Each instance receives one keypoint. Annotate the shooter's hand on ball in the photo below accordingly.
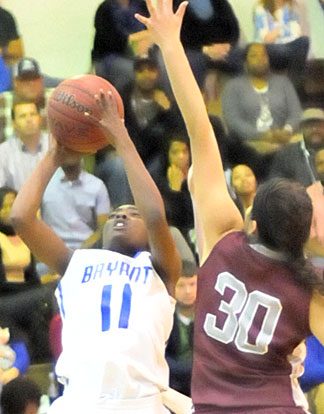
(62, 155)
(111, 122)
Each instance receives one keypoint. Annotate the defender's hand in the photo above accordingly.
(163, 24)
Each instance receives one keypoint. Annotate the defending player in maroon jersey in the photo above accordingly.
(256, 301)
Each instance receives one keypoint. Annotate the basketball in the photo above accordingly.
(67, 105)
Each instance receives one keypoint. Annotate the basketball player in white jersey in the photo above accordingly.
(116, 310)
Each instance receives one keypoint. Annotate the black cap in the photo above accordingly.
(144, 61)
(27, 68)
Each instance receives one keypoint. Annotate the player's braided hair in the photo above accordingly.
(283, 212)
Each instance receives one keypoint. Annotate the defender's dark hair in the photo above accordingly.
(17, 394)
(283, 211)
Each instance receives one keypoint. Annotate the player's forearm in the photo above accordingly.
(30, 195)
(145, 192)
(177, 402)
(190, 101)
(186, 91)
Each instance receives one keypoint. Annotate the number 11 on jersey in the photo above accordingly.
(106, 307)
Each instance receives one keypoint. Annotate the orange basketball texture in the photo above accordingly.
(67, 105)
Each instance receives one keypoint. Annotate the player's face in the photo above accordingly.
(27, 120)
(257, 60)
(243, 180)
(186, 291)
(125, 228)
(7, 203)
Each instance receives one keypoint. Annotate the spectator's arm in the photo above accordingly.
(22, 357)
(13, 52)
(293, 104)
(8, 375)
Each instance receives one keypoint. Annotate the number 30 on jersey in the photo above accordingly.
(241, 310)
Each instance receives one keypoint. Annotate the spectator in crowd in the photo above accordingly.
(19, 361)
(5, 76)
(146, 106)
(22, 298)
(179, 351)
(319, 165)
(11, 45)
(171, 180)
(206, 23)
(28, 85)
(86, 206)
(296, 160)
(112, 53)
(261, 108)
(322, 3)
(277, 23)
(311, 90)
(20, 154)
(313, 364)
(16, 263)
(20, 396)
(111, 170)
(244, 184)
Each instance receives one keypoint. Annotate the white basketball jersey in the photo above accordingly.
(117, 316)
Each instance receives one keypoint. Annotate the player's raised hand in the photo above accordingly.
(163, 24)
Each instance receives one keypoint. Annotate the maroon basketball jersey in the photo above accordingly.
(250, 316)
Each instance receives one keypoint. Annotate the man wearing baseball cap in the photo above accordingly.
(28, 85)
(28, 81)
(296, 160)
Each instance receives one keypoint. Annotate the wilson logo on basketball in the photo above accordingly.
(69, 100)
